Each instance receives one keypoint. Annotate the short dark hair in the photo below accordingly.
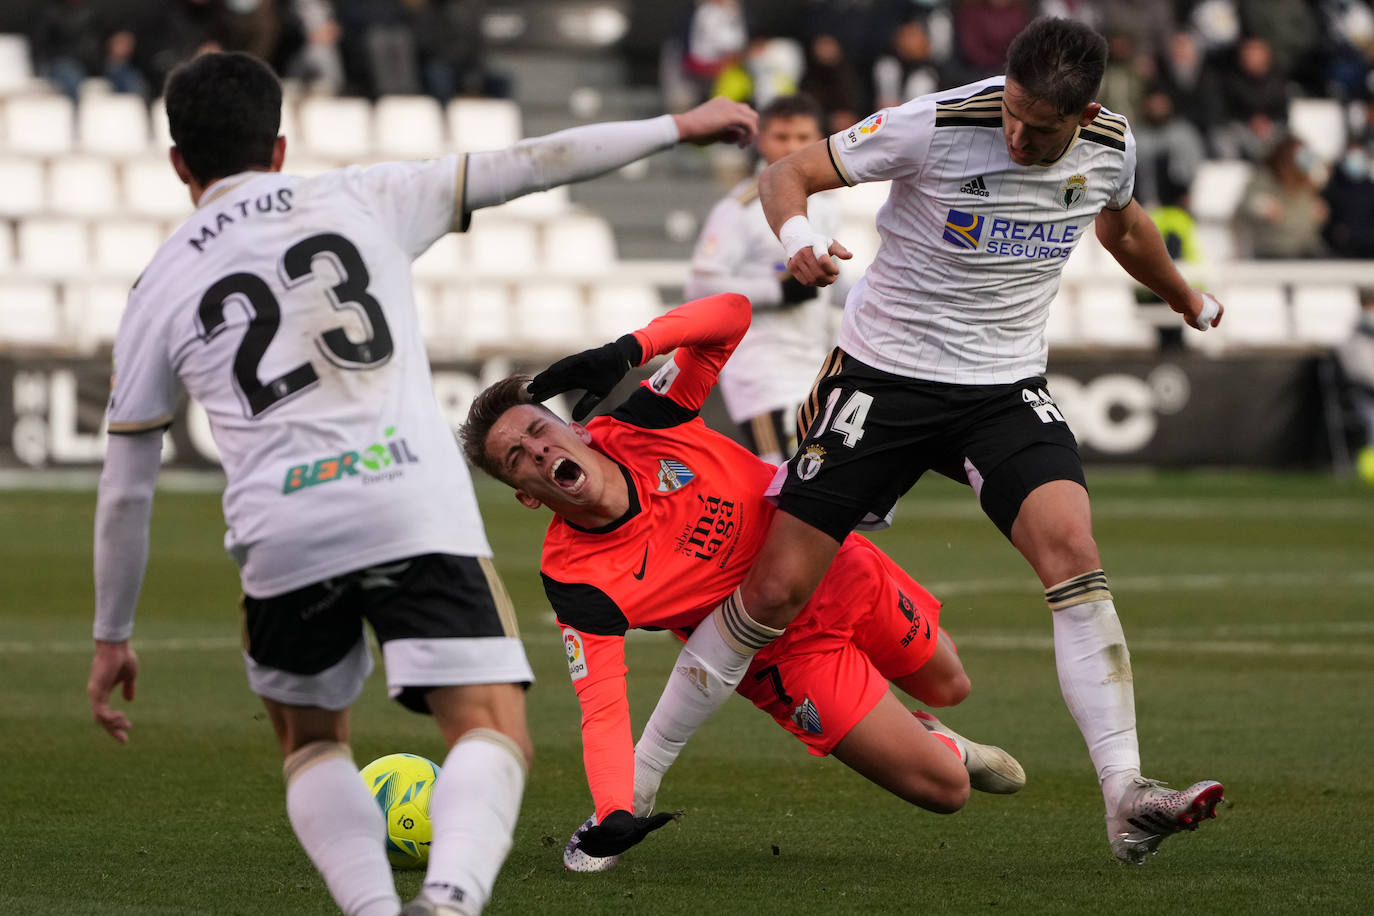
(224, 110)
(1059, 62)
(800, 105)
(486, 409)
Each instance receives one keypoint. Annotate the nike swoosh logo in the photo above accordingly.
(643, 564)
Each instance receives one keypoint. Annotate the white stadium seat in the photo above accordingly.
(83, 186)
(29, 313)
(480, 319)
(578, 245)
(6, 247)
(409, 127)
(24, 183)
(483, 124)
(149, 187)
(549, 317)
(616, 307)
(336, 128)
(1325, 314)
(1320, 125)
(537, 206)
(94, 309)
(1109, 316)
(1218, 188)
(862, 200)
(1062, 328)
(443, 261)
(860, 236)
(16, 70)
(502, 248)
(53, 248)
(1256, 315)
(114, 124)
(43, 125)
(123, 247)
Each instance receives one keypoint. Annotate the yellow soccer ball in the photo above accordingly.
(401, 785)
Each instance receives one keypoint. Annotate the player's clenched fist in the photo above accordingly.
(718, 119)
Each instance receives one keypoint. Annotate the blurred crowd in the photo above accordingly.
(1198, 79)
(354, 47)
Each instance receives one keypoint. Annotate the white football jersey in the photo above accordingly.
(775, 364)
(972, 243)
(284, 306)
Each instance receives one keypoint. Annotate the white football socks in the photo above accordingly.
(341, 828)
(706, 672)
(473, 810)
(1095, 678)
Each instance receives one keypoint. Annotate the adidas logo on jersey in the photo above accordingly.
(977, 187)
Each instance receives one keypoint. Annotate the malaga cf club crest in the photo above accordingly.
(807, 718)
(1072, 191)
(673, 475)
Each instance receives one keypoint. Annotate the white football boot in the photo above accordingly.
(1151, 811)
(990, 769)
(575, 859)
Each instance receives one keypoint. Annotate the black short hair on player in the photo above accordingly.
(224, 110)
(800, 105)
(1058, 61)
(486, 409)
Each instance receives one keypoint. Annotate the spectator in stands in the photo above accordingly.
(1292, 31)
(830, 80)
(717, 37)
(1149, 23)
(1192, 82)
(984, 30)
(379, 49)
(319, 63)
(1349, 194)
(72, 42)
(1088, 12)
(453, 50)
(1123, 82)
(1348, 30)
(1256, 103)
(176, 32)
(1169, 151)
(1216, 24)
(1282, 213)
(1356, 357)
(909, 69)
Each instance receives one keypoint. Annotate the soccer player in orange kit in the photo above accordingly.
(656, 521)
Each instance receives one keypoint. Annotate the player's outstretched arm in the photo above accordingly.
(580, 153)
(124, 507)
(1134, 240)
(783, 189)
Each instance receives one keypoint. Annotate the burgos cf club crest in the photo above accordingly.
(1072, 191)
(963, 230)
(810, 461)
(673, 475)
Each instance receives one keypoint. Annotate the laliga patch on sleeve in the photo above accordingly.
(576, 652)
(662, 380)
(865, 129)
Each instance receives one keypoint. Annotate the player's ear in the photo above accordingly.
(179, 165)
(526, 500)
(581, 432)
(1089, 114)
(279, 153)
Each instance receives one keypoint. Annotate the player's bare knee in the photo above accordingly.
(951, 691)
(943, 796)
(774, 601)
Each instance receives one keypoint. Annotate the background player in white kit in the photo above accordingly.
(775, 364)
(284, 306)
(940, 368)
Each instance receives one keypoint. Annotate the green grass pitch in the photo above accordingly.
(1247, 601)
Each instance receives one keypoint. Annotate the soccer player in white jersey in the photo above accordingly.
(775, 364)
(940, 367)
(284, 306)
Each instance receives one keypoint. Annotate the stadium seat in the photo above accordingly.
(443, 261)
(122, 248)
(478, 318)
(42, 125)
(618, 307)
(502, 248)
(1062, 328)
(578, 245)
(6, 247)
(149, 187)
(1325, 314)
(483, 124)
(1216, 242)
(336, 128)
(549, 318)
(25, 185)
(29, 314)
(83, 186)
(114, 124)
(1257, 315)
(53, 248)
(1109, 316)
(537, 206)
(1218, 187)
(860, 236)
(862, 200)
(409, 127)
(94, 310)
(1320, 125)
(16, 70)
(1089, 260)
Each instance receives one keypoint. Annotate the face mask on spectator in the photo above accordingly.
(1305, 160)
(1355, 165)
(242, 6)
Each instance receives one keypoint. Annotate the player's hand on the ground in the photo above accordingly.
(595, 371)
(114, 663)
(811, 270)
(619, 831)
(718, 119)
(1203, 310)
